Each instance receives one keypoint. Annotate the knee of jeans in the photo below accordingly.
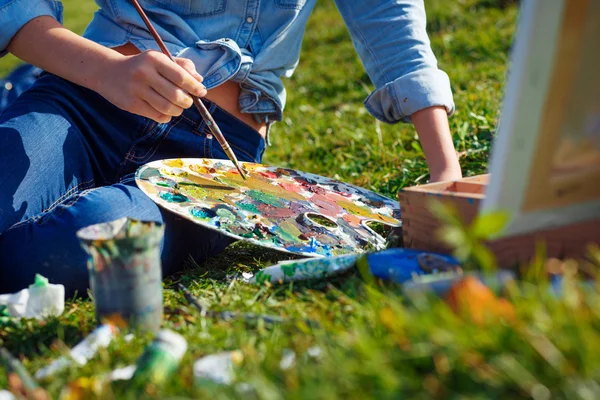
(105, 204)
(48, 245)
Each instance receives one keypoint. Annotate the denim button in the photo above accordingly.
(249, 20)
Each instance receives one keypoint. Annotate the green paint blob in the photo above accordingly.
(149, 173)
(40, 281)
(255, 234)
(226, 216)
(258, 233)
(285, 235)
(248, 207)
(289, 269)
(266, 198)
(191, 189)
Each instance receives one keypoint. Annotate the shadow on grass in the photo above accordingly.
(29, 338)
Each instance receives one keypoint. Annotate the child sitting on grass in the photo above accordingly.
(109, 102)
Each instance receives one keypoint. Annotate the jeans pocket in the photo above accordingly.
(143, 148)
(191, 8)
(291, 4)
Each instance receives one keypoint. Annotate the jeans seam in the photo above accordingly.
(130, 154)
(71, 193)
(188, 119)
(148, 130)
(208, 147)
(197, 129)
(68, 194)
(155, 146)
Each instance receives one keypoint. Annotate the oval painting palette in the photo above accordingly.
(279, 208)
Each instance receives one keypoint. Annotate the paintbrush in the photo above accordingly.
(228, 315)
(212, 125)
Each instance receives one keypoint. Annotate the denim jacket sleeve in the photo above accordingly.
(16, 13)
(391, 40)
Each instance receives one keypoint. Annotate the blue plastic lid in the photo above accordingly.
(401, 265)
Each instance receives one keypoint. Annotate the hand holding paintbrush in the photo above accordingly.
(210, 122)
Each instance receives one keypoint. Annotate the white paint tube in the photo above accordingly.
(299, 270)
(217, 368)
(82, 352)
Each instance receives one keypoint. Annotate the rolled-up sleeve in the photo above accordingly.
(391, 40)
(16, 13)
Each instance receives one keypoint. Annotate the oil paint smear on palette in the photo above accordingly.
(279, 208)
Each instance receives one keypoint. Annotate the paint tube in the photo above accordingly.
(122, 374)
(288, 359)
(299, 270)
(82, 352)
(14, 366)
(217, 368)
(20, 381)
(402, 265)
(160, 359)
(125, 271)
(40, 300)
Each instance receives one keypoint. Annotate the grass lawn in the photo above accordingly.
(374, 343)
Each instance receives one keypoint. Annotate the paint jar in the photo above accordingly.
(160, 359)
(125, 271)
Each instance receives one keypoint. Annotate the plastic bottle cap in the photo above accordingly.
(175, 343)
(40, 281)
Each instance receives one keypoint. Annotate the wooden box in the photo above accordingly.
(419, 225)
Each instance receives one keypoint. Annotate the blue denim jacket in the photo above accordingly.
(257, 42)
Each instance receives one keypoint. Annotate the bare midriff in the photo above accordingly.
(225, 95)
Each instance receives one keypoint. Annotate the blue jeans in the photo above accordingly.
(67, 160)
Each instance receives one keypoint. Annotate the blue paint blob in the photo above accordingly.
(302, 249)
(203, 213)
(313, 246)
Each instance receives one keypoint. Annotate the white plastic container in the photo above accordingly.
(40, 300)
